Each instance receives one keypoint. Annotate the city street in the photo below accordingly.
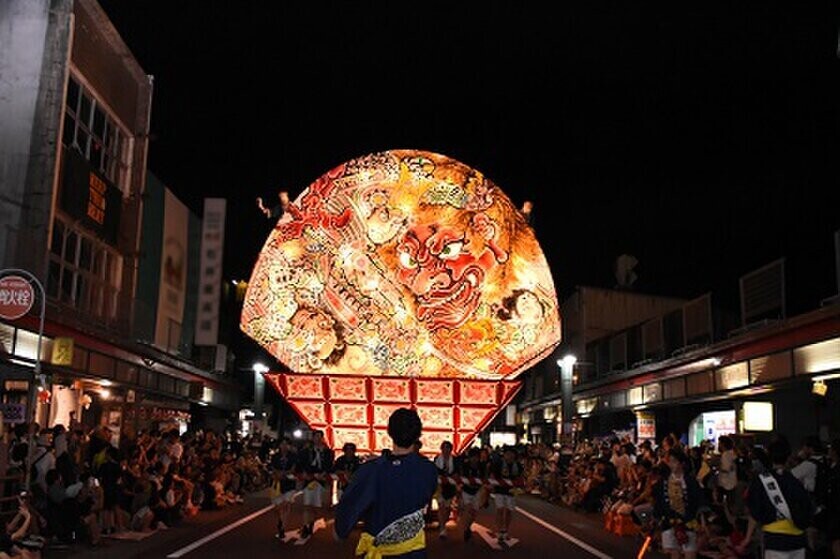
(539, 529)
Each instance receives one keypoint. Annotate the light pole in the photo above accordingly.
(567, 368)
(259, 392)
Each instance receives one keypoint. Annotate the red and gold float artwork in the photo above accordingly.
(401, 278)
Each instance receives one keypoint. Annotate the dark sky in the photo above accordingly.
(703, 138)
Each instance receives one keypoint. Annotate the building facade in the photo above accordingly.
(697, 372)
(74, 215)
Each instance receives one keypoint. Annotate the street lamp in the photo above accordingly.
(568, 360)
(567, 367)
(259, 392)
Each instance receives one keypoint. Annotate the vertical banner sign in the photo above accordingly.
(210, 274)
(645, 426)
(173, 273)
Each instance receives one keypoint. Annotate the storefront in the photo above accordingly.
(96, 383)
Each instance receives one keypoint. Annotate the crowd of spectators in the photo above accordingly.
(722, 505)
(82, 486)
(706, 500)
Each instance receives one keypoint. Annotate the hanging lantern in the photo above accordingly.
(85, 401)
(44, 396)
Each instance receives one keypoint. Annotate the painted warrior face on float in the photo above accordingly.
(403, 263)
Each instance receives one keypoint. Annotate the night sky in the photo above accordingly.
(701, 138)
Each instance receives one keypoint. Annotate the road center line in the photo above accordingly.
(561, 533)
(195, 545)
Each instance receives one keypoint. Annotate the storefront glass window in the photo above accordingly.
(771, 367)
(26, 346)
(700, 383)
(674, 388)
(652, 392)
(732, 376)
(817, 358)
(7, 338)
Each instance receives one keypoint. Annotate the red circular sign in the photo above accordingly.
(16, 297)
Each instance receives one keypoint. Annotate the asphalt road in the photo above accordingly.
(538, 530)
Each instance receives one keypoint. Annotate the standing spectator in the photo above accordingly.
(74, 424)
(622, 462)
(676, 500)
(727, 477)
(832, 499)
(109, 480)
(779, 503)
(43, 460)
(811, 471)
(176, 449)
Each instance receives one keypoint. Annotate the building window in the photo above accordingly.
(90, 129)
(84, 273)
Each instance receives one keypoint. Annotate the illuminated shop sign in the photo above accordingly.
(90, 197)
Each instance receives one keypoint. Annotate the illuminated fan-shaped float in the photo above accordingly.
(402, 278)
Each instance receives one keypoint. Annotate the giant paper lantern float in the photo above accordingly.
(402, 278)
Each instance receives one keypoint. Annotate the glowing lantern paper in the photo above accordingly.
(406, 265)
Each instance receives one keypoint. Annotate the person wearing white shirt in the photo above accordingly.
(806, 470)
(43, 459)
(176, 449)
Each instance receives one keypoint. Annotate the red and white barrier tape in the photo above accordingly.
(453, 479)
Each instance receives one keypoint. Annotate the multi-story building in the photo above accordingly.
(75, 106)
(696, 371)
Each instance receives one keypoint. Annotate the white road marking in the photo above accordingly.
(485, 535)
(583, 545)
(195, 545)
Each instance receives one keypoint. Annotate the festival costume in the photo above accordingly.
(471, 495)
(315, 462)
(676, 500)
(389, 494)
(504, 493)
(782, 506)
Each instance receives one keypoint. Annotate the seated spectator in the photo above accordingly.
(16, 540)
(142, 517)
(84, 501)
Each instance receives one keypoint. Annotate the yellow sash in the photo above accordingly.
(783, 526)
(367, 548)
